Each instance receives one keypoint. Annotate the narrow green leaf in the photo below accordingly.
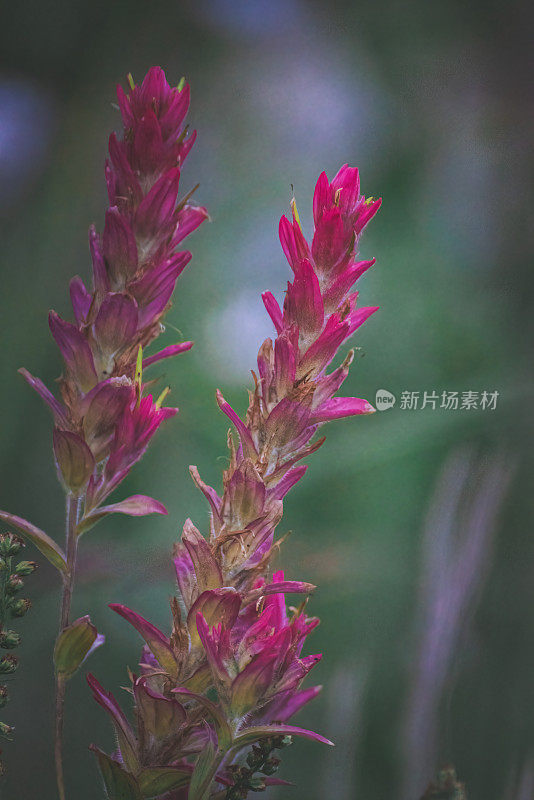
(205, 769)
(74, 644)
(138, 505)
(119, 784)
(39, 538)
(222, 728)
(254, 734)
(158, 780)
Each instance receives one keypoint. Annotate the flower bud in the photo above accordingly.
(10, 544)
(257, 784)
(4, 696)
(20, 607)
(14, 584)
(236, 793)
(6, 731)
(74, 644)
(74, 460)
(282, 741)
(8, 664)
(26, 567)
(270, 766)
(10, 639)
(255, 758)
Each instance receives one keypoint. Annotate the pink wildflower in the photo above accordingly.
(135, 268)
(232, 634)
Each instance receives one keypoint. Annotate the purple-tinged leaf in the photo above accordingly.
(291, 477)
(255, 734)
(75, 351)
(156, 208)
(155, 781)
(167, 352)
(138, 505)
(223, 730)
(203, 774)
(39, 538)
(119, 247)
(157, 642)
(80, 298)
(250, 685)
(125, 735)
(244, 433)
(339, 407)
(286, 704)
(120, 785)
(36, 383)
(116, 322)
(273, 309)
(282, 587)
(216, 606)
(74, 645)
(74, 460)
(208, 491)
(207, 570)
(161, 715)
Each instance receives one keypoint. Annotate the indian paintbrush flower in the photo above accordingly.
(135, 268)
(229, 675)
(102, 421)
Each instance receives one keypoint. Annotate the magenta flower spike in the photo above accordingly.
(235, 657)
(103, 420)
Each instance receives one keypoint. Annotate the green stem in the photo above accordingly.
(3, 598)
(72, 517)
(203, 790)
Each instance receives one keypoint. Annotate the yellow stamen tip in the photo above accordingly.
(139, 367)
(295, 212)
(163, 395)
(131, 80)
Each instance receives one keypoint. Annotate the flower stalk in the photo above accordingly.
(104, 419)
(74, 505)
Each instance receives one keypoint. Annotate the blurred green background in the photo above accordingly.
(433, 101)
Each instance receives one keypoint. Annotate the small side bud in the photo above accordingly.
(20, 607)
(4, 695)
(271, 766)
(257, 784)
(24, 568)
(282, 741)
(10, 639)
(8, 664)
(10, 544)
(74, 644)
(74, 460)
(6, 731)
(14, 584)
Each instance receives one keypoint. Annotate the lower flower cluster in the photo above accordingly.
(227, 678)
